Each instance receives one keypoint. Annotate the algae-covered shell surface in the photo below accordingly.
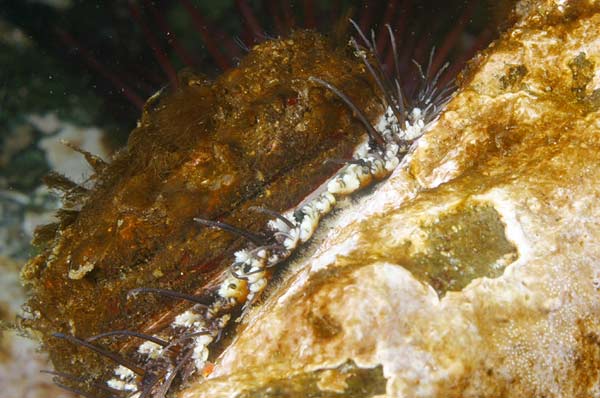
(258, 136)
(472, 271)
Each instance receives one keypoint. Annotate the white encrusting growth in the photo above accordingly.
(187, 319)
(205, 336)
(150, 350)
(124, 381)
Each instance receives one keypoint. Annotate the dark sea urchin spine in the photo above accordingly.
(183, 347)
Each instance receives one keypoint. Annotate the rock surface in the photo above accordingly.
(474, 271)
(20, 358)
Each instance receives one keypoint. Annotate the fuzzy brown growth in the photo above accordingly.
(258, 136)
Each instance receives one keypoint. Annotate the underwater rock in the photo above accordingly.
(68, 162)
(20, 358)
(472, 272)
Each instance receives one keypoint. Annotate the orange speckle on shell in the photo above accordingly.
(208, 369)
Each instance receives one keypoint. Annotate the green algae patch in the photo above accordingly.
(463, 245)
(450, 250)
(345, 381)
(583, 69)
(583, 72)
(513, 77)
